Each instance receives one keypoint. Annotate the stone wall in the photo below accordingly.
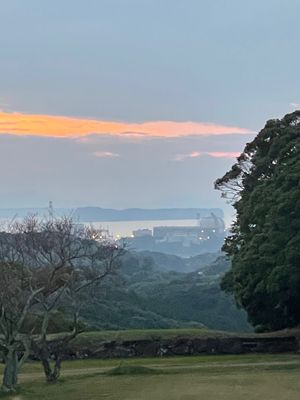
(183, 346)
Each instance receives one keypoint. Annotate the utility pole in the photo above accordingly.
(51, 210)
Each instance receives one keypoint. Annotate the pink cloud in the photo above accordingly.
(224, 154)
(106, 154)
(216, 154)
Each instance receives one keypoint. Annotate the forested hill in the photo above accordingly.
(170, 262)
(147, 294)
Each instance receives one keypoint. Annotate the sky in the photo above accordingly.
(137, 103)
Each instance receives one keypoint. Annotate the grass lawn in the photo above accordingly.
(90, 338)
(148, 334)
(245, 377)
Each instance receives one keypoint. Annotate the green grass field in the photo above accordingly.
(87, 338)
(150, 334)
(250, 377)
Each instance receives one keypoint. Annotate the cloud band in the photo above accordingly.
(69, 127)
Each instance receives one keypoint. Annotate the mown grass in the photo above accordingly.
(165, 362)
(90, 338)
(184, 361)
(148, 334)
(234, 377)
(131, 380)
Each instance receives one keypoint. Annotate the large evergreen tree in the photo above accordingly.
(264, 187)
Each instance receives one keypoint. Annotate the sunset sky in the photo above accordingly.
(137, 103)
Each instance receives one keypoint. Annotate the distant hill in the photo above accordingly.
(93, 214)
(170, 262)
(98, 214)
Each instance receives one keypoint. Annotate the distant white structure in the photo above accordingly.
(103, 235)
(207, 228)
(213, 223)
(142, 233)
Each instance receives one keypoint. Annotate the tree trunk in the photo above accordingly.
(52, 375)
(10, 375)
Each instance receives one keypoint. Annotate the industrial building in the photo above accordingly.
(207, 228)
(207, 235)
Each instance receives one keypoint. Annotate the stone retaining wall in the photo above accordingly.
(183, 346)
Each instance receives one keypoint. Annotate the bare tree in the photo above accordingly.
(57, 263)
(16, 299)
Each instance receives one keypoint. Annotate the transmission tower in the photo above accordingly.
(51, 210)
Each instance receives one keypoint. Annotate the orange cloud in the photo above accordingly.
(69, 127)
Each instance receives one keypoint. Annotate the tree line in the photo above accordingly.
(264, 244)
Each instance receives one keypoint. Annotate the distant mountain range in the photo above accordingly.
(93, 214)
(98, 214)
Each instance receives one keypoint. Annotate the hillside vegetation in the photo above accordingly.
(147, 294)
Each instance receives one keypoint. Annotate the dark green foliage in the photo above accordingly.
(148, 296)
(218, 267)
(265, 243)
